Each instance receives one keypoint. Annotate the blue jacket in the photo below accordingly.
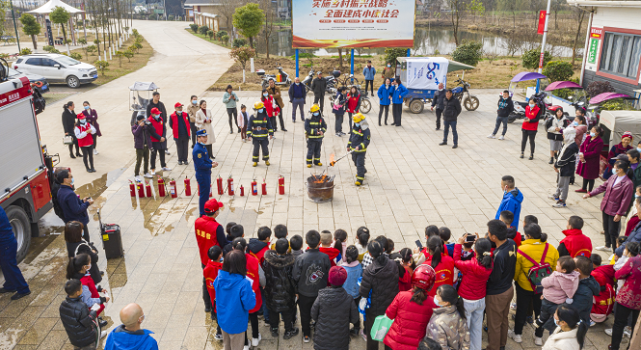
(6, 229)
(121, 339)
(73, 208)
(511, 201)
(635, 236)
(351, 283)
(234, 299)
(369, 73)
(398, 94)
(384, 95)
(202, 162)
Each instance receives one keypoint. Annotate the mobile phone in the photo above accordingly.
(419, 244)
(470, 238)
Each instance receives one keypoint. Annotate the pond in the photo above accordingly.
(426, 42)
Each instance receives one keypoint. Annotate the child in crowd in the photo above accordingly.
(442, 263)
(228, 231)
(242, 121)
(588, 288)
(362, 234)
(367, 258)
(512, 232)
(389, 249)
(445, 235)
(280, 231)
(473, 285)
(628, 299)
(280, 291)
(575, 242)
(633, 218)
(78, 319)
(296, 244)
(210, 272)
(78, 268)
(621, 260)
(406, 268)
(354, 273)
(558, 288)
(340, 243)
(236, 231)
(326, 246)
(603, 303)
(448, 325)
(333, 311)
(420, 255)
(259, 246)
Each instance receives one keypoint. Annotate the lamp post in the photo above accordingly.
(15, 27)
(545, 34)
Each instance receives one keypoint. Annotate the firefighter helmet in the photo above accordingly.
(358, 117)
(314, 108)
(424, 277)
(259, 105)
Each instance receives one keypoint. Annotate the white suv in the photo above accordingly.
(57, 68)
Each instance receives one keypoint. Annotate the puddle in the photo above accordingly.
(96, 187)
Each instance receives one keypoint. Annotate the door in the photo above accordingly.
(33, 65)
(51, 72)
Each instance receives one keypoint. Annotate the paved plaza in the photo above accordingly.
(411, 182)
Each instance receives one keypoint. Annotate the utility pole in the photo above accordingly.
(15, 27)
(545, 34)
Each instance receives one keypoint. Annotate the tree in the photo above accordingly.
(530, 58)
(268, 27)
(558, 71)
(60, 16)
(510, 6)
(83, 43)
(91, 49)
(242, 56)
(120, 55)
(129, 54)
(476, 8)
(227, 8)
(457, 7)
(249, 19)
(194, 27)
(468, 53)
(31, 27)
(102, 66)
(580, 15)
(557, 5)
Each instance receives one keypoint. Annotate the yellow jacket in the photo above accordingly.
(534, 249)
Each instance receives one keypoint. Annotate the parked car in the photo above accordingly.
(39, 82)
(57, 68)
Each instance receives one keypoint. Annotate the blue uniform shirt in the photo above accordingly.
(5, 225)
(202, 162)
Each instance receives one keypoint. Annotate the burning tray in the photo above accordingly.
(320, 188)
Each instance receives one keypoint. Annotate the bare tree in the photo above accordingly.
(580, 15)
(227, 8)
(557, 5)
(270, 17)
(457, 7)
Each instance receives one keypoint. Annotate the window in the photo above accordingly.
(19, 60)
(47, 62)
(620, 54)
(36, 61)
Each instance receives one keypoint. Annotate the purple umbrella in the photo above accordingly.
(563, 85)
(527, 76)
(606, 96)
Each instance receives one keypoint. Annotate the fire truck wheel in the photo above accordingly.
(21, 228)
(73, 82)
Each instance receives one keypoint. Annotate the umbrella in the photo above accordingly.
(143, 86)
(606, 96)
(563, 85)
(527, 76)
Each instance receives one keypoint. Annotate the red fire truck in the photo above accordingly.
(26, 175)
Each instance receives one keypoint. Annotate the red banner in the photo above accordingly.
(541, 22)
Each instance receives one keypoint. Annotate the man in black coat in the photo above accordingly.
(439, 102)
(68, 124)
(505, 107)
(318, 87)
(155, 103)
(280, 292)
(564, 166)
(78, 321)
(450, 115)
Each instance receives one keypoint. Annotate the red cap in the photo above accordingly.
(627, 134)
(337, 276)
(212, 205)
(423, 277)
(81, 116)
(155, 111)
(178, 104)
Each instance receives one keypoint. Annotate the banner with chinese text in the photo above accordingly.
(353, 23)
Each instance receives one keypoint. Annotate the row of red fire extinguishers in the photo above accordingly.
(164, 188)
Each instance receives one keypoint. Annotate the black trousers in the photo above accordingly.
(182, 147)
(397, 112)
(320, 99)
(588, 185)
(338, 125)
(194, 129)
(71, 145)
(313, 151)
(206, 298)
(380, 113)
(528, 134)
(288, 319)
(621, 316)
(261, 142)
(369, 83)
(611, 231)
(233, 114)
(439, 112)
(87, 156)
(157, 148)
(350, 120)
(359, 161)
(282, 123)
(305, 305)
(85, 233)
(95, 141)
(253, 320)
(142, 154)
(546, 318)
(523, 300)
(210, 151)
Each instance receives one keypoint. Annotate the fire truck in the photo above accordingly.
(27, 170)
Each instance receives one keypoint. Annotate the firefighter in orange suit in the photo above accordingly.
(208, 234)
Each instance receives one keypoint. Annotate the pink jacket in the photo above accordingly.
(560, 286)
(617, 199)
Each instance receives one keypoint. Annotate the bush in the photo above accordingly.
(25, 51)
(210, 34)
(240, 42)
(76, 56)
(558, 71)
(129, 54)
(203, 30)
(224, 38)
(242, 55)
(617, 104)
(171, 17)
(531, 58)
(50, 49)
(91, 49)
(392, 53)
(102, 66)
(599, 87)
(194, 27)
(152, 17)
(468, 53)
(220, 34)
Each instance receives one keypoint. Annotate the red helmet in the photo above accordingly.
(424, 277)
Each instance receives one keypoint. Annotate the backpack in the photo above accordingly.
(538, 271)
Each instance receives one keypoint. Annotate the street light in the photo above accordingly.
(15, 27)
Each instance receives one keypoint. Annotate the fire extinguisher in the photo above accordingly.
(188, 187)
(219, 183)
(254, 188)
(230, 186)
(148, 189)
(264, 187)
(281, 185)
(132, 189)
(211, 190)
(161, 187)
(172, 188)
(242, 191)
(141, 190)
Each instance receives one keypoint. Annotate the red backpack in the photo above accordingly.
(538, 271)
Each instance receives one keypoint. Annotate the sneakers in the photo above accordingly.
(559, 204)
(516, 337)
(95, 151)
(255, 341)
(246, 347)
(608, 331)
(148, 176)
(603, 248)
(538, 341)
(552, 196)
(627, 331)
(218, 337)
(491, 136)
(266, 324)
(138, 178)
(103, 334)
(338, 134)
(455, 146)
(443, 143)
(166, 169)
(513, 306)
(580, 190)
(306, 339)
(291, 334)
(501, 137)
(274, 332)
(592, 323)
(153, 172)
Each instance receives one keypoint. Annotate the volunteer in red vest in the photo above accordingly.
(602, 304)
(84, 133)
(158, 132)
(257, 277)
(179, 123)
(208, 234)
(575, 242)
(440, 261)
(210, 272)
(530, 126)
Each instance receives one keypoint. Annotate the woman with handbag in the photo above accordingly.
(554, 125)
(77, 245)
(92, 118)
(68, 124)
(84, 132)
(203, 121)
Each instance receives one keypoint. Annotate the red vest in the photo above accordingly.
(603, 304)
(444, 272)
(269, 105)
(158, 126)
(210, 273)
(261, 254)
(206, 236)
(531, 114)
(174, 124)
(577, 243)
(252, 272)
(87, 140)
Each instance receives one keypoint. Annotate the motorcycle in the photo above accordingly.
(462, 92)
(366, 105)
(282, 78)
(329, 79)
